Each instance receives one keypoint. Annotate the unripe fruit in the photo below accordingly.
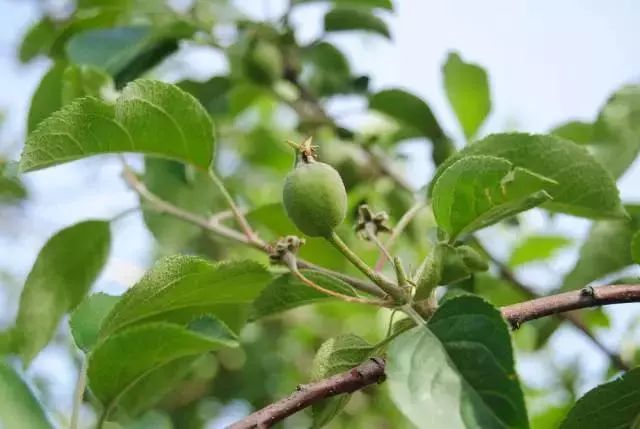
(263, 63)
(314, 198)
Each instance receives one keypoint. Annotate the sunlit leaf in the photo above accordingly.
(584, 187)
(537, 248)
(149, 117)
(179, 288)
(477, 191)
(18, 407)
(467, 88)
(61, 276)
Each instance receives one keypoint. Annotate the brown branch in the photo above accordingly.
(370, 372)
(544, 306)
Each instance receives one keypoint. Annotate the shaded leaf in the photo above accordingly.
(537, 248)
(18, 407)
(125, 52)
(154, 386)
(87, 318)
(467, 88)
(148, 347)
(334, 356)
(635, 247)
(606, 250)
(611, 405)
(179, 288)
(328, 71)
(150, 117)
(584, 187)
(478, 191)
(169, 180)
(48, 96)
(212, 94)
(409, 110)
(617, 133)
(459, 371)
(348, 19)
(81, 81)
(287, 292)
(384, 4)
(63, 272)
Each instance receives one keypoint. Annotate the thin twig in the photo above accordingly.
(215, 226)
(402, 224)
(383, 167)
(78, 394)
(385, 284)
(291, 262)
(237, 213)
(384, 252)
(370, 372)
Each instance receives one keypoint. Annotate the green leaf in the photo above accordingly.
(212, 94)
(611, 405)
(584, 187)
(409, 110)
(383, 4)
(328, 69)
(154, 386)
(635, 247)
(606, 250)
(576, 131)
(149, 117)
(18, 407)
(169, 180)
(64, 271)
(38, 39)
(147, 347)
(537, 248)
(11, 187)
(617, 131)
(181, 287)
(287, 292)
(87, 318)
(81, 81)
(125, 52)
(334, 356)
(48, 96)
(467, 88)
(478, 191)
(348, 19)
(458, 371)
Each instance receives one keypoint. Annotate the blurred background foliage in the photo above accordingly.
(270, 85)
